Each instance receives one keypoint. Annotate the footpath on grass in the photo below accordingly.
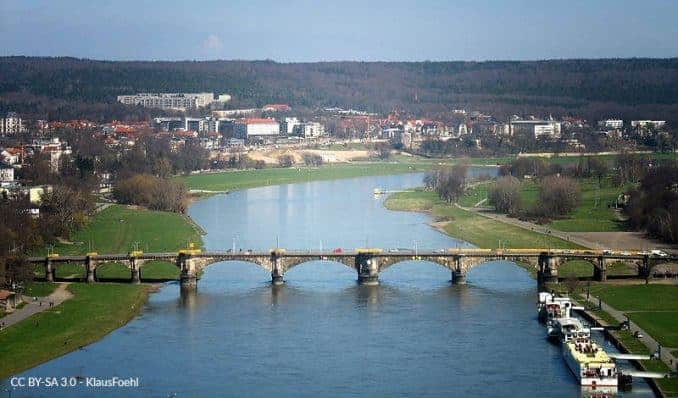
(37, 305)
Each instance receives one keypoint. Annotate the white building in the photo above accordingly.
(12, 124)
(657, 124)
(6, 175)
(311, 129)
(254, 127)
(180, 101)
(611, 124)
(289, 125)
(535, 128)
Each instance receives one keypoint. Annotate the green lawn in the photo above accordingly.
(94, 312)
(39, 289)
(594, 214)
(468, 226)
(241, 179)
(654, 307)
(582, 268)
(117, 228)
(152, 270)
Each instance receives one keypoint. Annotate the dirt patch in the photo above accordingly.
(625, 241)
(271, 157)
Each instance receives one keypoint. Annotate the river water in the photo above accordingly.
(321, 334)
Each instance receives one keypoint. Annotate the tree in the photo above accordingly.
(64, 209)
(504, 194)
(312, 159)
(152, 192)
(285, 160)
(448, 182)
(558, 196)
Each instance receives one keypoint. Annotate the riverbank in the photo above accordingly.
(242, 179)
(470, 227)
(93, 312)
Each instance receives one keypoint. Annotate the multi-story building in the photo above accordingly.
(643, 124)
(181, 101)
(6, 174)
(310, 129)
(252, 128)
(12, 124)
(168, 123)
(289, 125)
(536, 128)
(611, 124)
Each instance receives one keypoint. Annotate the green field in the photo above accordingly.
(653, 307)
(39, 289)
(94, 312)
(594, 213)
(470, 227)
(581, 268)
(241, 179)
(117, 228)
(152, 270)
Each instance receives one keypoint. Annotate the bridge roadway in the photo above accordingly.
(366, 262)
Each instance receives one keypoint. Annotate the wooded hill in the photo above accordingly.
(628, 88)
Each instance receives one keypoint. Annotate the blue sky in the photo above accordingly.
(292, 30)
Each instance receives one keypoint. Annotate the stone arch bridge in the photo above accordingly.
(368, 263)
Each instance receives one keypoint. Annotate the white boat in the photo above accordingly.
(566, 329)
(549, 307)
(590, 364)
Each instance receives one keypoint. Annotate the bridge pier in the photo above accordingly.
(645, 269)
(49, 270)
(458, 277)
(90, 267)
(189, 278)
(600, 270)
(277, 269)
(368, 269)
(135, 272)
(548, 270)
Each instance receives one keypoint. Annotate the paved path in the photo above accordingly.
(33, 307)
(651, 344)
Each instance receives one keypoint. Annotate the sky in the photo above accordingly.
(362, 30)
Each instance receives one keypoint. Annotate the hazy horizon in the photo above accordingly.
(302, 31)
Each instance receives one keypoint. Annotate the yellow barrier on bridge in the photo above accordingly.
(368, 250)
(92, 254)
(53, 255)
(135, 253)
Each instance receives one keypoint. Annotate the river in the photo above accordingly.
(321, 334)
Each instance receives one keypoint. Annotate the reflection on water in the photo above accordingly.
(321, 334)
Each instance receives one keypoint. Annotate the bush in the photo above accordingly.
(151, 192)
(504, 194)
(285, 160)
(558, 196)
(312, 159)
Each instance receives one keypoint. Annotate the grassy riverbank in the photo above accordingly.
(468, 226)
(117, 228)
(241, 179)
(93, 312)
(595, 212)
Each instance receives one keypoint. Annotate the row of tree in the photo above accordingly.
(654, 204)
(152, 192)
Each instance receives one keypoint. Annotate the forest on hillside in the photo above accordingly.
(64, 88)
